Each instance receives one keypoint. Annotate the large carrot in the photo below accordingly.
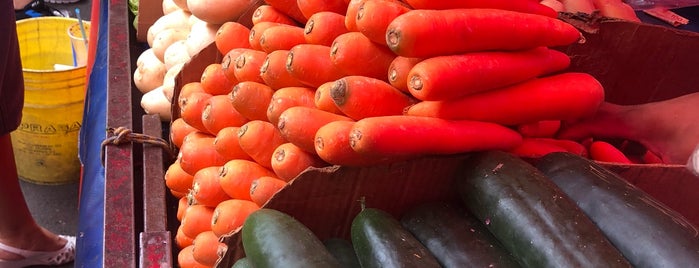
(196, 219)
(324, 101)
(355, 54)
(398, 72)
(288, 7)
(259, 139)
(289, 160)
(191, 108)
(226, 144)
(269, 13)
(231, 35)
(182, 241)
(207, 247)
(474, 29)
(361, 96)
(332, 145)
(206, 189)
(214, 81)
(454, 76)
(247, 65)
(403, 135)
(198, 152)
(299, 124)
(287, 97)
(219, 113)
(566, 96)
(273, 71)
(525, 6)
(177, 179)
(323, 27)
(237, 175)
(256, 32)
(351, 14)
(263, 188)
(230, 215)
(251, 99)
(178, 130)
(310, 7)
(281, 37)
(374, 16)
(311, 64)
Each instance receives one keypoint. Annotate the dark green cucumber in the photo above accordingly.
(532, 218)
(380, 241)
(242, 263)
(343, 251)
(646, 231)
(455, 237)
(275, 239)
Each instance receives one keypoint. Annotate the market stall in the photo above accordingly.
(127, 214)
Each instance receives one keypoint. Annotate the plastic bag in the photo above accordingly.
(669, 4)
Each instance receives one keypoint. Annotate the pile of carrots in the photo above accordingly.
(364, 82)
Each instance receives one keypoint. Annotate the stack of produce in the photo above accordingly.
(358, 83)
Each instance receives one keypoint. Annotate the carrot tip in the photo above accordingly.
(289, 60)
(309, 27)
(354, 137)
(242, 130)
(416, 82)
(392, 39)
(338, 91)
(319, 143)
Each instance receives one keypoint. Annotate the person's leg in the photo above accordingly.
(17, 227)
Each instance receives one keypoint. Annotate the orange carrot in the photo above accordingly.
(324, 101)
(281, 37)
(535, 148)
(311, 64)
(231, 35)
(206, 189)
(351, 15)
(186, 90)
(230, 215)
(398, 72)
(289, 160)
(237, 175)
(332, 144)
(360, 97)
(310, 7)
(299, 124)
(263, 188)
(251, 99)
(374, 16)
(403, 135)
(178, 130)
(273, 71)
(256, 32)
(214, 81)
(288, 7)
(191, 108)
(259, 139)
(474, 29)
(228, 64)
(268, 13)
(288, 97)
(182, 204)
(226, 144)
(449, 77)
(525, 6)
(539, 129)
(177, 179)
(606, 152)
(207, 248)
(181, 240)
(323, 27)
(566, 96)
(185, 258)
(197, 153)
(355, 54)
(196, 219)
(219, 113)
(247, 66)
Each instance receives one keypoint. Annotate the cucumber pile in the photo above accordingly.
(562, 211)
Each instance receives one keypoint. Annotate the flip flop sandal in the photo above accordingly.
(58, 257)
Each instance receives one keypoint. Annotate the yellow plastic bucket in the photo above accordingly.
(46, 143)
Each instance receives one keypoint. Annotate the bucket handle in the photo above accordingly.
(121, 135)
